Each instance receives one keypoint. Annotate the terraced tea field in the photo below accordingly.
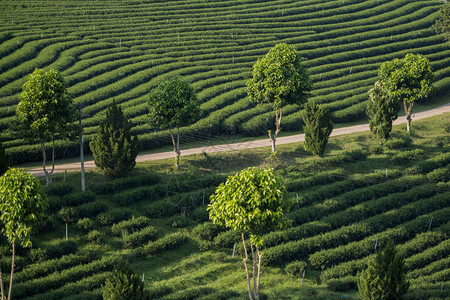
(123, 49)
(346, 205)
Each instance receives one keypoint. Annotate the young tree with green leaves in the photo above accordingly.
(124, 284)
(114, 147)
(173, 104)
(384, 277)
(21, 203)
(318, 127)
(46, 112)
(252, 202)
(67, 215)
(442, 24)
(407, 80)
(381, 110)
(279, 78)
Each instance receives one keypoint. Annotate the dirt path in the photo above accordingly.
(245, 145)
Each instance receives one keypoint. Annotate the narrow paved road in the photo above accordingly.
(245, 145)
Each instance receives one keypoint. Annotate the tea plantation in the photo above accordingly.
(346, 205)
(122, 49)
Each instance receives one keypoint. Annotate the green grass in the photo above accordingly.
(204, 270)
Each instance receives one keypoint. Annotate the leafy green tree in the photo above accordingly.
(381, 110)
(21, 203)
(407, 80)
(5, 160)
(384, 277)
(46, 112)
(318, 127)
(113, 147)
(279, 78)
(442, 24)
(252, 202)
(67, 215)
(124, 284)
(174, 104)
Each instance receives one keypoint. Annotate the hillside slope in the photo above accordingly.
(122, 49)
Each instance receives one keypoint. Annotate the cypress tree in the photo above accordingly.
(381, 110)
(124, 285)
(384, 277)
(318, 127)
(113, 147)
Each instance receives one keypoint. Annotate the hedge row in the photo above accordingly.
(89, 209)
(360, 212)
(417, 244)
(428, 256)
(129, 226)
(42, 269)
(59, 279)
(327, 258)
(121, 184)
(135, 239)
(114, 216)
(168, 242)
(430, 269)
(79, 289)
(321, 178)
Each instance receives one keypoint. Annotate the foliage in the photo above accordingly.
(381, 110)
(67, 214)
(124, 284)
(407, 80)
(317, 128)
(113, 147)
(21, 203)
(5, 160)
(251, 201)
(173, 104)
(442, 25)
(45, 111)
(279, 78)
(384, 277)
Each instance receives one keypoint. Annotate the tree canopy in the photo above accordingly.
(318, 127)
(45, 111)
(384, 277)
(279, 78)
(21, 203)
(173, 104)
(252, 202)
(381, 110)
(114, 147)
(407, 80)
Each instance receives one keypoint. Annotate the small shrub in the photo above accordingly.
(399, 143)
(129, 226)
(85, 225)
(139, 238)
(38, 255)
(206, 231)
(113, 216)
(376, 149)
(296, 268)
(95, 237)
(227, 239)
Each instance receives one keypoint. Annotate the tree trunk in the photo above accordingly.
(246, 269)
(254, 271)
(44, 161)
(12, 270)
(1, 286)
(67, 232)
(176, 145)
(273, 137)
(408, 113)
(259, 272)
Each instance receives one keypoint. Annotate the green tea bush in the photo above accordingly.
(75, 199)
(406, 156)
(114, 216)
(342, 284)
(206, 231)
(95, 237)
(296, 268)
(121, 184)
(168, 242)
(130, 226)
(59, 189)
(138, 238)
(85, 225)
(90, 209)
(161, 208)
